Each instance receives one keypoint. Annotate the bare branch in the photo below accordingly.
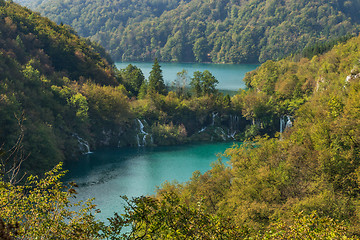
(12, 159)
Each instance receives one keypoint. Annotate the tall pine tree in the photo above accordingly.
(156, 80)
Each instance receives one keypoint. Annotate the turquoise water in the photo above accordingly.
(107, 174)
(230, 76)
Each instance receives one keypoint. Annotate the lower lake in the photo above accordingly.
(230, 76)
(107, 174)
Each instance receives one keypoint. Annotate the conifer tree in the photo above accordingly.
(156, 80)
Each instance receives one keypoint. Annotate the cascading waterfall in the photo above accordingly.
(234, 126)
(141, 136)
(232, 129)
(288, 123)
(285, 122)
(222, 133)
(214, 114)
(83, 144)
(282, 124)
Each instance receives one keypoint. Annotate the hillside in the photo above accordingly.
(92, 17)
(37, 59)
(68, 97)
(230, 31)
(302, 184)
(27, 2)
(57, 92)
(62, 98)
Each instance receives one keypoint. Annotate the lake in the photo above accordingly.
(230, 76)
(109, 173)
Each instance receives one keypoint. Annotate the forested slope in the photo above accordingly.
(62, 98)
(303, 184)
(37, 60)
(232, 31)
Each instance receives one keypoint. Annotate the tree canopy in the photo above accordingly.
(300, 182)
(230, 31)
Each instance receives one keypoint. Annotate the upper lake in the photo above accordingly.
(230, 76)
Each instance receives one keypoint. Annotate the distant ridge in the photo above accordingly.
(231, 31)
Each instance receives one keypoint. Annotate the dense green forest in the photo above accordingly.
(59, 91)
(38, 59)
(231, 31)
(303, 184)
(64, 96)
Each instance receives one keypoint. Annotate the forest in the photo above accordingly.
(57, 88)
(226, 31)
(60, 91)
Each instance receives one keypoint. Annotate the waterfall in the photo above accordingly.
(282, 124)
(141, 125)
(138, 140)
(285, 123)
(214, 114)
(201, 130)
(232, 129)
(84, 146)
(234, 126)
(232, 134)
(288, 123)
(141, 136)
(222, 133)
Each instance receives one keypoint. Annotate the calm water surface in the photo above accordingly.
(107, 174)
(230, 76)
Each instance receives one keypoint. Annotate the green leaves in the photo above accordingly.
(311, 226)
(80, 103)
(156, 80)
(133, 79)
(169, 218)
(201, 50)
(203, 83)
(225, 31)
(32, 74)
(43, 209)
